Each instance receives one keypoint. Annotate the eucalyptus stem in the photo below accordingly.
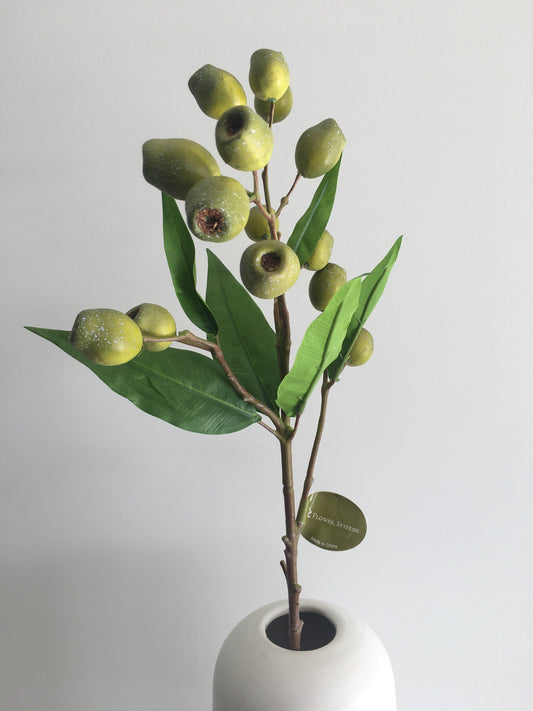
(290, 564)
(265, 169)
(256, 196)
(189, 339)
(266, 189)
(285, 200)
(309, 477)
(271, 113)
(257, 201)
(270, 429)
(283, 335)
(283, 349)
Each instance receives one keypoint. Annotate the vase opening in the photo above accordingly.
(317, 631)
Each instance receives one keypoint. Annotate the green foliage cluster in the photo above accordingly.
(210, 393)
(238, 371)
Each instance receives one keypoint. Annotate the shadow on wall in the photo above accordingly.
(102, 631)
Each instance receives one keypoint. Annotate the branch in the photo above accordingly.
(309, 479)
(271, 115)
(283, 335)
(285, 200)
(257, 195)
(270, 429)
(290, 539)
(256, 199)
(189, 339)
(266, 189)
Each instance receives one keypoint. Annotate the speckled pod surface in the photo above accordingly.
(244, 141)
(325, 283)
(174, 165)
(269, 268)
(319, 148)
(216, 90)
(106, 336)
(269, 74)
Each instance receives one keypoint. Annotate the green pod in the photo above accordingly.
(244, 141)
(216, 90)
(269, 74)
(217, 209)
(321, 253)
(362, 349)
(319, 148)
(155, 322)
(282, 107)
(258, 227)
(324, 284)
(269, 268)
(106, 336)
(174, 165)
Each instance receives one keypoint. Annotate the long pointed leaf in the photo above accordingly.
(246, 338)
(371, 290)
(321, 344)
(180, 252)
(184, 388)
(310, 226)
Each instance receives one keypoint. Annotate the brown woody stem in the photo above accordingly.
(309, 478)
(285, 200)
(256, 199)
(189, 339)
(256, 196)
(283, 335)
(290, 564)
(271, 114)
(283, 348)
(266, 189)
(265, 169)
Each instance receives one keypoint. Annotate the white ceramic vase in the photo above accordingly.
(344, 668)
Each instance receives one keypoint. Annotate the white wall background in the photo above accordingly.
(128, 549)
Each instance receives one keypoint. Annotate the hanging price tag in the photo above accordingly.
(331, 521)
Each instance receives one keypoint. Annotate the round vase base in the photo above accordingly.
(343, 666)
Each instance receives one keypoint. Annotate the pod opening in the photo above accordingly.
(271, 261)
(210, 221)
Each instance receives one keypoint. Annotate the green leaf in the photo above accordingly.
(371, 291)
(184, 388)
(246, 338)
(321, 344)
(310, 226)
(179, 248)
